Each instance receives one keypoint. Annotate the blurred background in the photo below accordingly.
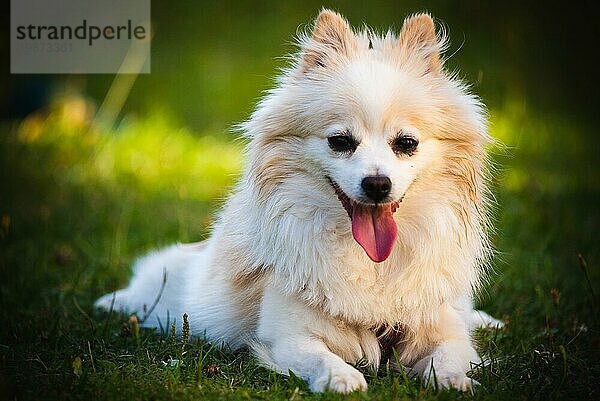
(83, 192)
(211, 61)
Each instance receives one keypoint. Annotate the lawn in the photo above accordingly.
(78, 204)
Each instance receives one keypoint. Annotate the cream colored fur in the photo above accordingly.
(281, 272)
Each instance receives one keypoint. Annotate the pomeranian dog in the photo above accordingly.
(359, 224)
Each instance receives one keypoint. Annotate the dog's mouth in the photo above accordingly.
(373, 225)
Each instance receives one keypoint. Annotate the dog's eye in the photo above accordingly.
(342, 143)
(404, 145)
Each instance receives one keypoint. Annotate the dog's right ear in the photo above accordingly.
(332, 40)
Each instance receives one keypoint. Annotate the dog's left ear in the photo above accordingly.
(332, 39)
(418, 35)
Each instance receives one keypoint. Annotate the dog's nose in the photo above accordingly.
(376, 187)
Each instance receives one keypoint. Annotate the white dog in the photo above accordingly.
(360, 218)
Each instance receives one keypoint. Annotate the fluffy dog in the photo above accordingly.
(360, 219)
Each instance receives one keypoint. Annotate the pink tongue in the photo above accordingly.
(374, 228)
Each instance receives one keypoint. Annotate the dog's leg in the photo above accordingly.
(481, 319)
(291, 338)
(450, 352)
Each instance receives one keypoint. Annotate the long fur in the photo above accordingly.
(282, 273)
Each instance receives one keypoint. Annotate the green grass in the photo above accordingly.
(77, 206)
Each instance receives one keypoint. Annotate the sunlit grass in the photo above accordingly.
(152, 155)
(546, 151)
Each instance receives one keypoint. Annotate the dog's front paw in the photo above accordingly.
(340, 379)
(459, 381)
(447, 367)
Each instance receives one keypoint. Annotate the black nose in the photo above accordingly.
(376, 187)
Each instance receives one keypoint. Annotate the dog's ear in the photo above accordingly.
(331, 38)
(418, 35)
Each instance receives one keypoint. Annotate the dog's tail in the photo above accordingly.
(154, 293)
(116, 301)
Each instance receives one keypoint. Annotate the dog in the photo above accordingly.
(359, 225)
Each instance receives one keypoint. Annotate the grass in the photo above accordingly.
(77, 206)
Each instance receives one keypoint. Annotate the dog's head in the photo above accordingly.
(371, 118)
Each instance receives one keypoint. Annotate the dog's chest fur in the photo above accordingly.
(321, 264)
